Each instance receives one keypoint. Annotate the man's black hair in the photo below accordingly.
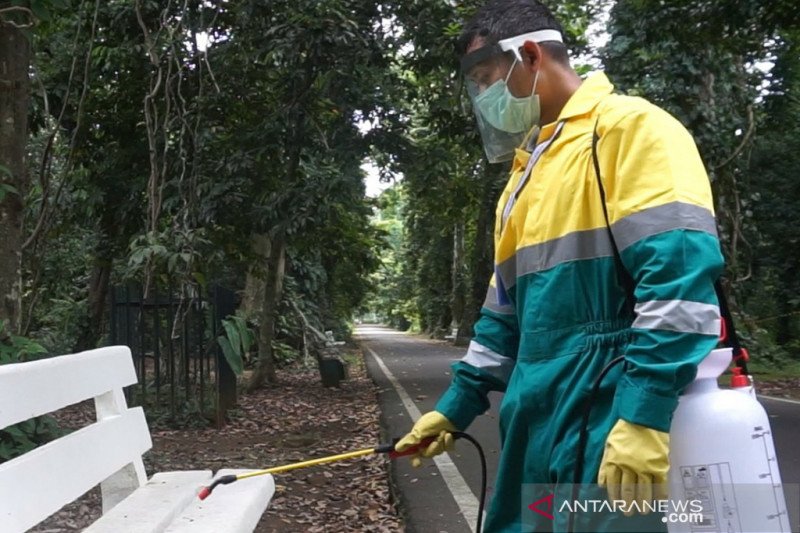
(501, 19)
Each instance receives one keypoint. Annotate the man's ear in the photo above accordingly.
(531, 54)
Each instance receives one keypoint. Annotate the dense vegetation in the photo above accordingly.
(196, 142)
(203, 142)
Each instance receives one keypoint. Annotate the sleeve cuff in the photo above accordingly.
(457, 406)
(638, 406)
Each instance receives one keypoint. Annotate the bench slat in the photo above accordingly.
(35, 388)
(234, 508)
(154, 506)
(40, 482)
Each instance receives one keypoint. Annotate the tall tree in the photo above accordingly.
(776, 192)
(15, 56)
(299, 76)
(171, 137)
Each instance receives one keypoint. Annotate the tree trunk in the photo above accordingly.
(785, 333)
(265, 365)
(273, 288)
(481, 259)
(253, 297)
(93, 328)
(14, 95)
(459, 296)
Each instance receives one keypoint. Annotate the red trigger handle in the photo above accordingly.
(394, 454)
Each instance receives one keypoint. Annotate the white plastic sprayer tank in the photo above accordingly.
(722, 459)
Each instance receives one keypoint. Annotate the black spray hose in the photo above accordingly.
(387, 448)
(584, 436)
(482, 499)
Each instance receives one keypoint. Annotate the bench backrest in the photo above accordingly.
(37, 484)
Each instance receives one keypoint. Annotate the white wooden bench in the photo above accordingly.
(109, 453)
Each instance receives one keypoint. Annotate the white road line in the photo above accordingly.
(786, 400)
(461, 492)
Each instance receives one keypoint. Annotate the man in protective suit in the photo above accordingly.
(587, 268)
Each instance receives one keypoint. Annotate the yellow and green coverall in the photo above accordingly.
(555, 312)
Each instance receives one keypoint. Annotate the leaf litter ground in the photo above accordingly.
(295, 420)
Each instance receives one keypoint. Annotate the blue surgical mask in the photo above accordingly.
(507, 112)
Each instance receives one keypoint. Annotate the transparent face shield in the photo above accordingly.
(503, 119)
(498, 143)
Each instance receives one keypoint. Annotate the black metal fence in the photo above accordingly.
(172, 334)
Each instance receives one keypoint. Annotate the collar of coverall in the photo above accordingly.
(582, 102)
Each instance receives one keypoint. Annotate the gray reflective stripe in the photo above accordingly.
(678, 315)
(655, 220)
(589, 244)
(594, 243)
(489, 361)
(492, 304)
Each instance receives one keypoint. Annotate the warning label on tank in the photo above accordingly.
(719, 513)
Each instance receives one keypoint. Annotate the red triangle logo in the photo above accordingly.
(535, 506)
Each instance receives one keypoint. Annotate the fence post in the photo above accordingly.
(224, 303)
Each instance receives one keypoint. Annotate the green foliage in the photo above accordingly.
(172, 254)
(236, 342)
(60, 299)
(6, 188)
(44, 9)
(259, 134)
(392, 299)
(23, 437)
(17, 349)
(774, 295)
(41, 11)
(285, 355)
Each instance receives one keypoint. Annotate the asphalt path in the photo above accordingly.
(412, 371)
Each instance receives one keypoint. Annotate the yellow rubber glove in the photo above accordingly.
(432, 424)
(635, 465)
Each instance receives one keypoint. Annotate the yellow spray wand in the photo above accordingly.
(381, 448)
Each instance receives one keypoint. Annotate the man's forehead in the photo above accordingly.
(480, 56)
